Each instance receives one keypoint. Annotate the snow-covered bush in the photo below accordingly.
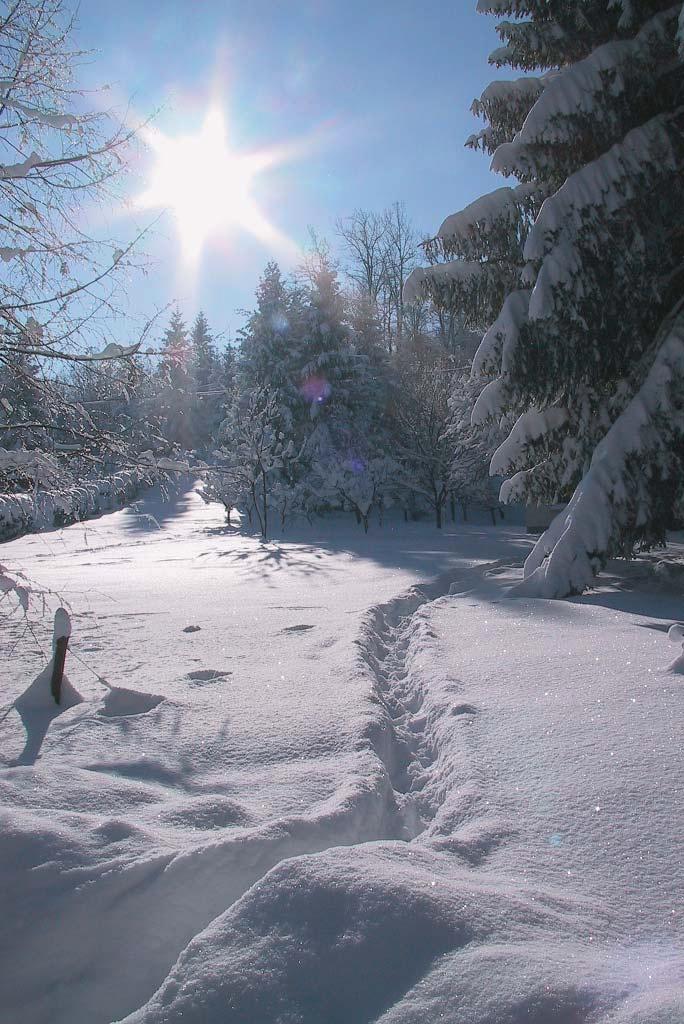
(255, 455)
(44, 509)
(578, 269)
(359, 485)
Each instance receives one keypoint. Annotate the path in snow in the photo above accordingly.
(537, 762)
(240, 731)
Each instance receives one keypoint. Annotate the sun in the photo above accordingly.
(207, 186)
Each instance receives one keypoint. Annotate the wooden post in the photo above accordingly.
(60, 642)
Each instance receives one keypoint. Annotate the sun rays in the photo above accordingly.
(208, 187)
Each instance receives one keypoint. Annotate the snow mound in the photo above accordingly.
(382, 933)
(676, 635)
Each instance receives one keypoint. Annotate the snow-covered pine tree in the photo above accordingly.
(328, 371)
(343, 386)
(176, 397)
(208, 392)
(578, 267)
(270, 342)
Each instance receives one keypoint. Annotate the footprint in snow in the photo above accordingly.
(297, 629)
(207, 675)
(192, 629)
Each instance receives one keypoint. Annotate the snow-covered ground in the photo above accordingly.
(334, 780)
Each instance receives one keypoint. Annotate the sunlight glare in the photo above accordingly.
(207, 186)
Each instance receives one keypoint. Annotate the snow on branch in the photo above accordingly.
(505, 105)
(49, 118)
(419, 280)
(503, 205)
(8, 253)
(529, 87)
(580, 90)
(608, 184)
(20, 170)
(529, 428)
(499, 342)
(567, 556)
(488, 404)
(110, 351)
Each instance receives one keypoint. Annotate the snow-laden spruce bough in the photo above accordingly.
(579, 270)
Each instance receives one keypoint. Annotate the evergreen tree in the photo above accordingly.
(207, 385)
(270, 348)
(578, 268)
(204, 355)
(328, 370)
(472, 447)
(177, 395)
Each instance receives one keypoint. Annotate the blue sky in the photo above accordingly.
(381, 90)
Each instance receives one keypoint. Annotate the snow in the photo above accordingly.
(528, 428)
(502, 337)
(501, 205)
(112, 351)
(578, 90)
(338, 777)
(676, 635)
(455, 270)
(8, 253)
(50, 118)
(543, 882)
(21, 169)
(488, 404)
(607, 183)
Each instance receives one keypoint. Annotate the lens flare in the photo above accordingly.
(315, 389)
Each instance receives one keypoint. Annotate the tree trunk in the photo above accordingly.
(264, 525)
(438, 516)
(452, 507)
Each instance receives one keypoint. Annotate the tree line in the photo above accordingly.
(353, 385)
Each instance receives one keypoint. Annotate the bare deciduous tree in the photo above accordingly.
(400, 257)
(59, 168)
(363, 234)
